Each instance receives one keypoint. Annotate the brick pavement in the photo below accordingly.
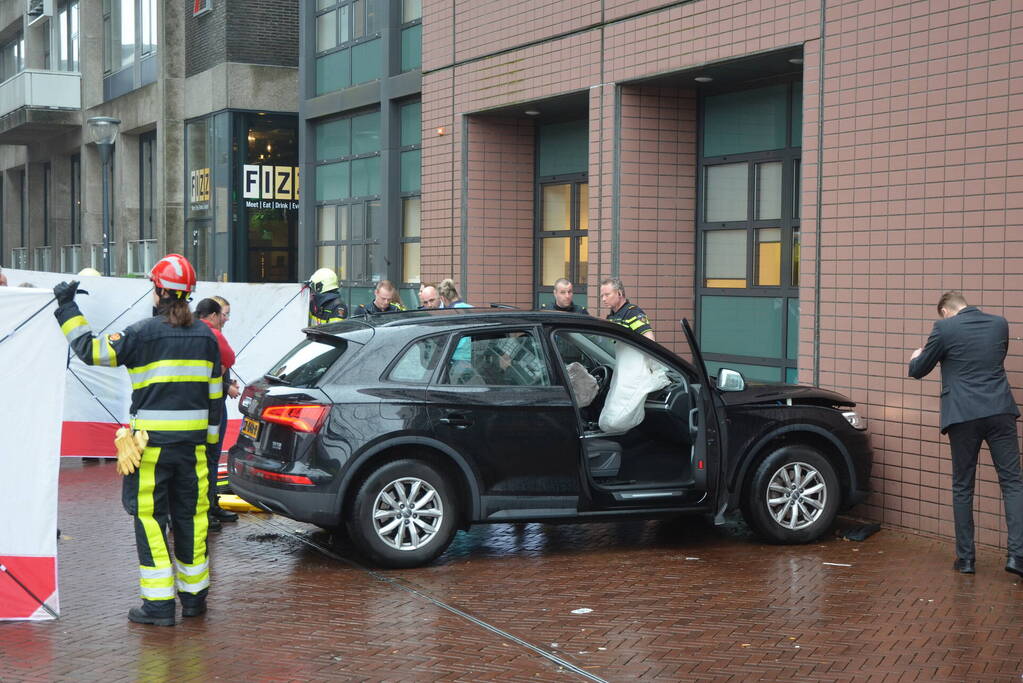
(676, 601)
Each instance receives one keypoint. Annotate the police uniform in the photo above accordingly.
(366, 309)
(176, 389)
(632, 316)
(571, 308)
(326, 307)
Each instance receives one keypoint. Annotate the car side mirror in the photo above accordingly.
(730, 380)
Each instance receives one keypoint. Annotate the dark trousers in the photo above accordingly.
(213, 455)
(999, 431)
(169, 489)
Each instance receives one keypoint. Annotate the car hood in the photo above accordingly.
(772, 394)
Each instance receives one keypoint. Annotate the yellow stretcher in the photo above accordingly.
(236, 504)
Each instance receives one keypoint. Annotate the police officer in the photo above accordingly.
(174, 366)
(382, 300)
(623, 312)
(325, 304)
(563, 294)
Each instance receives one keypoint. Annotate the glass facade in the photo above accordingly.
(348, 45)
(243, 187)
(130, 35)
(748, 219)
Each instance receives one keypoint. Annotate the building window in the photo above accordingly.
(347, 189)
(147, 184)
(562, 209)
(411, 35)
(410, 163)
(748, 218)
(76, 199)
(67, 36)
(347, 43)
(129, 41)
(12, 56)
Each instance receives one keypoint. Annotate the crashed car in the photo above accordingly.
(404, 428)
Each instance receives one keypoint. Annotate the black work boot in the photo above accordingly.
(193, 604)
(224, 515)
(153, 612)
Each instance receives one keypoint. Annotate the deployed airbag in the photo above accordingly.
(584, 387)
(635, 376)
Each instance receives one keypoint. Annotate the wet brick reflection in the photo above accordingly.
(673, 600)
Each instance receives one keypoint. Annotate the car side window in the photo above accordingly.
(417, 363)
(507, 358)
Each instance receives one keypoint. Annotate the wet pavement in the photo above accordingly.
(675, 601)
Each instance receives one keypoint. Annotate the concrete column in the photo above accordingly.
(170, 136)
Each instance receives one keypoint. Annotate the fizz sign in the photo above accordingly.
(270, 182)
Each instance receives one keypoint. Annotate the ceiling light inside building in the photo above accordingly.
(703, 79)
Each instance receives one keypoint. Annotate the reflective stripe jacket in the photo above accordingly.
(327, 307)
(632, 316)
(175, 373)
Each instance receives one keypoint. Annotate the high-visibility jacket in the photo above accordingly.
(326, 307)
(632, 316)
(175, 373)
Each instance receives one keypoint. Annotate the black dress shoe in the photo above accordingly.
(140, 616)
(195, 610)
(1014, 565)
(213, 524)
(224, 515)
(965, 566)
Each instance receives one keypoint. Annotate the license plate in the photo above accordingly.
(250, 428)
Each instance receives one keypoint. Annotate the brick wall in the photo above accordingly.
(657, 205)
(247, 31)
(500, 211)
(922, 192)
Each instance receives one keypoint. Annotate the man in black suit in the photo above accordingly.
(976, 405)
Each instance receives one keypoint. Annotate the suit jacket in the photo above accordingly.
(971, 348)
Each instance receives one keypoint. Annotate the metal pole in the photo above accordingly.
(104, 152)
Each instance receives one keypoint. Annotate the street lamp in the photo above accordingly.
(104, 132)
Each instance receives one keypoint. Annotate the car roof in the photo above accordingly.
(458, 318)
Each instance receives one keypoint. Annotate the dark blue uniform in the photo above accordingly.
(571, 308)
(326, 307)
(632, 316)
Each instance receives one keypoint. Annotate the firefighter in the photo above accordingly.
(325, 304)
(174, 365)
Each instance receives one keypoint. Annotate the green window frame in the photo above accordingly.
(748, 231)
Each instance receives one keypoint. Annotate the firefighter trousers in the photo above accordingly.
(170, 491)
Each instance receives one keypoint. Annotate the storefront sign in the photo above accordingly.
(199, 189)
(270, 187)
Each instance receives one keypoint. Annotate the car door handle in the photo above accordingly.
(457, 421)
(694, 420)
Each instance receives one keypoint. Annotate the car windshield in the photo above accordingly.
(306, 363)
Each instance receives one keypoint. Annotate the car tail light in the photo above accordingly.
(283, 478)
(301, 418)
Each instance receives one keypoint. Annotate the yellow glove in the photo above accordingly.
(129, 449)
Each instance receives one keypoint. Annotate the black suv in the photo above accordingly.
(403, 428)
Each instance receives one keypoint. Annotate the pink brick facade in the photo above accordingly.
(920, 188)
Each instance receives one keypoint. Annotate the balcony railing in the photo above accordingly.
(96, 258)
(71, 258)
(141, 256)
(44, 259)
(42, 89)
(19, 258)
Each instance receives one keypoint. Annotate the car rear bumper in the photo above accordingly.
(315, 507)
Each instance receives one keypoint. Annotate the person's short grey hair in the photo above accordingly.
(615, 283)
(562, 281)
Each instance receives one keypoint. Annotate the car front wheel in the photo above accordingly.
(793, 496)
(403, 514)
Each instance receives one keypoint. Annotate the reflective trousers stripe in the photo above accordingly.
(192, 578)
(159, 584)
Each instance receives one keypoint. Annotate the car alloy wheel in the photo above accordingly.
(796, 495)
(792, 496)
(407, 513)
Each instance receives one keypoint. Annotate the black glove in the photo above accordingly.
(65, 292)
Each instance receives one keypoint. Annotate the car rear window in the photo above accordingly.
(306, 363)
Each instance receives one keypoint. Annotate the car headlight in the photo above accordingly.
(854, 419)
